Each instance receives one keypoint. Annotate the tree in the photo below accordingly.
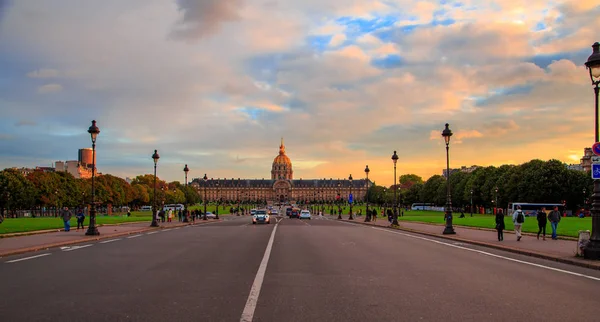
(16, 192)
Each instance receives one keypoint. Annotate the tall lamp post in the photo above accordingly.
(584, 197)
(368, 214)
(350, 197)
(218, 199)
(471, 202)
(592, 249)
(92, 229)
(205, 178)
(339, 201)
(449, 230)
(154, 223)
(395, 208)
(186, 170)
(496, 190)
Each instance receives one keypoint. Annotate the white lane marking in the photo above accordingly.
(493, 255)
(135, 236)
(250, 307)
(176, 228)
(167, 229)
(109, 241)
(76, 247)
(302, 221)
(28, 258)
(152, 232)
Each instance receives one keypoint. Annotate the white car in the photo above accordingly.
(304, 214)
(210, 215)
(261, 217)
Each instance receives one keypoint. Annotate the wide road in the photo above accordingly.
(318, 270)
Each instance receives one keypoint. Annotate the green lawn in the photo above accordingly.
(16, 225)
(568, 226)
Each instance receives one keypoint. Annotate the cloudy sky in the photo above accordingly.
(216, 84)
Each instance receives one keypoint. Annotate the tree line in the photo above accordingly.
(47, 191)
(536, 181)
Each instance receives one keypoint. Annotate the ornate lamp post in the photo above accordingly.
(186, 170)
(592, 249)
(368, 214)
(471, 202)
(218, 199)
(92, 229)
(584, 197)
(395, 215)
(205, 199)
(449, 230)
(339, 185)
(154, 223)
(496, 190)
(349, 197)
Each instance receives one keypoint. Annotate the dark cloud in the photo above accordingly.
(202, 18)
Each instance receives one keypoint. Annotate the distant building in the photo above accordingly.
(586, 160)
(86, 157)
(27, 171)
(577, 167)
(461, 169)
(75, 168)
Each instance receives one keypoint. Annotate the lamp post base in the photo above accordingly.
(92, 231)
(154, 223)
(449, 231)
(592, 250)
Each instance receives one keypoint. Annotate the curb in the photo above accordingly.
(99, 237)
(499, 247)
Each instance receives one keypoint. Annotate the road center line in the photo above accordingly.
(109, 241)
(134, 236)
(28, 258)
(250, 307)
(493, 255)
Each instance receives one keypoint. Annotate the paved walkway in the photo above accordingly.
(562, 250)
(29, 243)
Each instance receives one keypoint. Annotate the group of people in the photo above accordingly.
(66, 216)
(518, 219)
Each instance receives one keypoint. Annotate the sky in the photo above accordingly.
(215, 84)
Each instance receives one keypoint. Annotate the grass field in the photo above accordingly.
(16, 225)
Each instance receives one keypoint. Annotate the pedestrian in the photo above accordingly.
(500, 224)
(180, 215)
(169, 215)
(66, 217)
(518, 219)
(161, 213)
(554, 218)
(542, 220)
(374, 215)
(80, 218)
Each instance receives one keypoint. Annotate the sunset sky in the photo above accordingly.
(216, 84)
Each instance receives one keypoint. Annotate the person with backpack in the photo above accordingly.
(554, 218)
(518, 219)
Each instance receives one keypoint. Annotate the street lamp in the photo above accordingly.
(449, 230)
(496, 190)
(92, 229)
(395, 208)
(339, 201)
(154, 223)
(205, 182)
(350, 199)
(471, 202)
(218, 199)
(368, 214)
(592, 249)
(186, 170)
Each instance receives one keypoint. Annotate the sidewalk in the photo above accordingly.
(562, 250)
(30, 243)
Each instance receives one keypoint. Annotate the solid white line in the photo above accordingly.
(250, 307)
(152, 232)
(109, 241)
(176, 227)
(134, 236)
(76, 247)
(27, 258)
(167, 229)
(493, 255)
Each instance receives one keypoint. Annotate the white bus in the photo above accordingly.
(530, 209)
(175, 207)
(422, 206)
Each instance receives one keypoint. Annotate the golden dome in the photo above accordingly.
(282, 158)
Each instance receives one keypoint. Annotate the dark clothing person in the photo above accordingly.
(554, 218)
(542, 221)
(66, 215)
(80, 218)
(500, 224)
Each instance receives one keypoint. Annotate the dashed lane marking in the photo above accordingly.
(135, 236)
(76, 247)
(109, 241)
(28, 258)
(151, 233)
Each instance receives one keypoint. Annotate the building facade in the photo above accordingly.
(282, 187)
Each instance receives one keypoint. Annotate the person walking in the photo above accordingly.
(518, 219)
(542, 220)
(66, 217)
(500, 224)
(80, 218)
(554, 218)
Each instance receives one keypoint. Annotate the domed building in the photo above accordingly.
(281, 188)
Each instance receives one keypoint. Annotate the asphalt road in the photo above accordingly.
(318, 270)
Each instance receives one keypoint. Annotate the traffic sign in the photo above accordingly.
(595, 159)
(595, 171)
(596, 148)
(350, 199)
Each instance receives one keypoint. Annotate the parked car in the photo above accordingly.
(146, 208)
(304, 214)
(210, 215)
(261, 217)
